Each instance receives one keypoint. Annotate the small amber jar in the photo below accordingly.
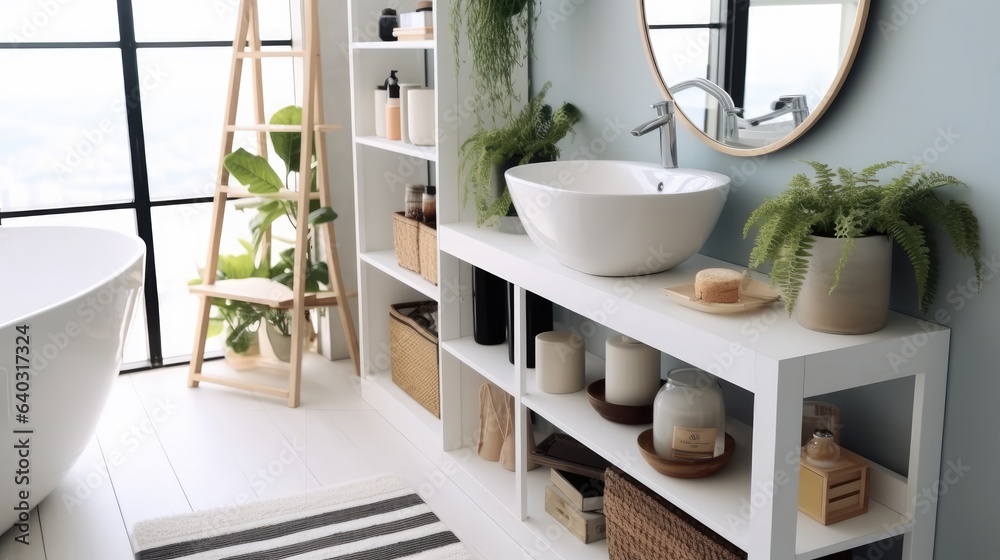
(821, 450)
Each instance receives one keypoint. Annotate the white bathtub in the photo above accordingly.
(66, 301)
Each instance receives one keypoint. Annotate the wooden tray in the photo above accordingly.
(758, 294)
(618, 413)
(683, 468)
(563, 453)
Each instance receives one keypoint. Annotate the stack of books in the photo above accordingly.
(576, 501)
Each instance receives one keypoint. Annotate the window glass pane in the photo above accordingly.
(180, 236)
(58, 21)
(791, 50)
(664, 12)
(136, 349)
(183, 111)
(205, 20)
(63, 137)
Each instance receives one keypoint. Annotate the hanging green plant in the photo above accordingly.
(530, 136)
(499, 37)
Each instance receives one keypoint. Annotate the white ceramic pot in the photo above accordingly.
(860, 302)
(404, 109)
(281, 344)
(421, 119)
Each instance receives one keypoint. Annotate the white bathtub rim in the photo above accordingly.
(110, 276)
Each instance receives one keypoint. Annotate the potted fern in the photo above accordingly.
(829, 239)
(530, 136)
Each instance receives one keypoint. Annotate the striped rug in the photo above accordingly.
(374, 519)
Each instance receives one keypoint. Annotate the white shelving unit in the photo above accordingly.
(752, 501)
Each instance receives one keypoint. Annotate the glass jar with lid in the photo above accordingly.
(822, 451)
(689, 416)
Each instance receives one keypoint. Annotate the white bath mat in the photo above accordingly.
(373, 519)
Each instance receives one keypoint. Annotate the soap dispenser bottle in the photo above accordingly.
(393, 129)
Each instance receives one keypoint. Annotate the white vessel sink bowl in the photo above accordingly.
(617, 218)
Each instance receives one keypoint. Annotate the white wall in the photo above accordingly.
(924, 78)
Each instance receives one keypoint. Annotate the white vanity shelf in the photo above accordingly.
(764, 352)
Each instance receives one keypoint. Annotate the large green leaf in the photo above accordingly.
(322, 215)
(288, 145)
(253, 171)
(262, 220)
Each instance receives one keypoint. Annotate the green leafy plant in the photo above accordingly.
(531, 135)
(240, 320)
(256, 173)
(847, 204)
(498, 33)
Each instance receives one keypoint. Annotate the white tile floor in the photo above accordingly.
(163, 449)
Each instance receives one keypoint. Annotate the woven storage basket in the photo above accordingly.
(427, 247)
(414, 353)
(406, 240)
(644, 526)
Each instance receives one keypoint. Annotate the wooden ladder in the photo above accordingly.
(262, 291)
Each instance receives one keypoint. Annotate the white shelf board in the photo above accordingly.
(491, 479)
(489, 361)
(428, 153)
(710, 500)
(726, 345)
(813, 540)
(565, 545)
(386, 262)
(385, 396)
(392, 45)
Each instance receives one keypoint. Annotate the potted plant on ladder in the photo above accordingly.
(829, 240)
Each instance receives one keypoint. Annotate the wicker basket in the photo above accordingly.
(406, 240)
(427, 248)
(644, 526)
(414, 353)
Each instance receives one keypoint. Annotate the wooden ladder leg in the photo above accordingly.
(311, 46)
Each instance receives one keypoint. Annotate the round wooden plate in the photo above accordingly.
(618, 413)
(683, 468)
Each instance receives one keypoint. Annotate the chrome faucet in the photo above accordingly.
(668, 138)
(729, 110)
(794, 104)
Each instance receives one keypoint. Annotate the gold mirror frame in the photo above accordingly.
(798, 131)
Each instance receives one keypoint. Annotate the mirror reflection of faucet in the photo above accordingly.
(729, 110)
(795, 105)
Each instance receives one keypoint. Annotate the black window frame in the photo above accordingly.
(141, 203)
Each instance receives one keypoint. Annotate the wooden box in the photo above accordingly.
(584, 492)
(830, 495)
(588, 526)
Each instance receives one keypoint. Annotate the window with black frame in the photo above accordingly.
(112, 117)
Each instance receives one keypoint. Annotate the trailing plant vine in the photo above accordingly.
(499, 37)
(847, 204)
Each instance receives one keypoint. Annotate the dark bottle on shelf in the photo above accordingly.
(538, 319)
(489, 308)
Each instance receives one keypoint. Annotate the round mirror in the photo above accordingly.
(751, 76)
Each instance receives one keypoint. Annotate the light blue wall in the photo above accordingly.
(925, 66)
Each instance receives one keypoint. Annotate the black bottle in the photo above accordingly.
(489, 308)
(538, 319)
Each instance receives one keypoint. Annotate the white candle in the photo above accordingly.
(559, 362)
(632, 372)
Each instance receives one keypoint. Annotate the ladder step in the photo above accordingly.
(279, 127)
(239, 384)
(263, 291)
(235, 191)
(270, 54)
